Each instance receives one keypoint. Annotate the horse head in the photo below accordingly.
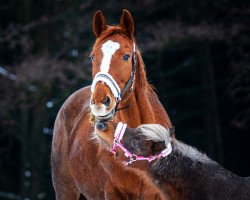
(145, 140)
(149, 140)
(113, 64)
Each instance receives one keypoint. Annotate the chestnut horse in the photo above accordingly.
(187, 171)
(119, 82)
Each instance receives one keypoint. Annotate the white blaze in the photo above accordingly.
(108, 50)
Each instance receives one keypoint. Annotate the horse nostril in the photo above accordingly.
(106, 101)
(101, 126)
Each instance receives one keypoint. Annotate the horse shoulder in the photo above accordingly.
(68, 113)
(79, 151)
(76, 104)
(72, 108)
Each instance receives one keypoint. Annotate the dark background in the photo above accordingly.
(196, 54)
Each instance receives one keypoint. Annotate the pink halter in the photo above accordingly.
(119, 132)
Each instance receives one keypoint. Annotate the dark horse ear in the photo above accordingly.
(158, 147)
(98, 23)
(127, 23)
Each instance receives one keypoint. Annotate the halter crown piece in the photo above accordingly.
(112, 84)
(119, 132)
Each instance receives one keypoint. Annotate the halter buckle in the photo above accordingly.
(131, 160)
(116, 142)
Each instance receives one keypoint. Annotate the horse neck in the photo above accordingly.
(144, 105)
(195, 176)
(189, 152)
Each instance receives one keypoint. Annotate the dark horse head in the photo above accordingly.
(145, 140)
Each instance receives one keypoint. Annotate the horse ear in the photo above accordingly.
(127, 23)
(98, 23)
(158, 147)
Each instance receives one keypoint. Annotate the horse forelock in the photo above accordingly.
(155, 132)
(111, 30)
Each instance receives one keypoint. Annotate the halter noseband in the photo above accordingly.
(112, 84)
(119, 132)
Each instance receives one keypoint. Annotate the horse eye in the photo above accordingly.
(137, 143)
(126, 57)
(92, 57)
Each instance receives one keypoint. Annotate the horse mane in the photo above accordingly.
(142, 84)
(158, 133)
(155, 132)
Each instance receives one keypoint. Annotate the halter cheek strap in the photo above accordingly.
(119, 132)
(131, 81)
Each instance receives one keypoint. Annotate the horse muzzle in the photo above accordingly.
(101, 113)
(108, 116)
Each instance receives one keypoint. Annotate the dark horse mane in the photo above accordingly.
(141, 77)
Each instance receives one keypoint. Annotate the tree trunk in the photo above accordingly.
(212, 118)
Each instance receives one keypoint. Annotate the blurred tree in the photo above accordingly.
(196, 55)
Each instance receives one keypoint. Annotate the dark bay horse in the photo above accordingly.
(191, 174)
(119, 81)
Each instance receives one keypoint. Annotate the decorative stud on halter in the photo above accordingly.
(119, 132)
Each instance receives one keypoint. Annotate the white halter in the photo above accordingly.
(110, 81)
